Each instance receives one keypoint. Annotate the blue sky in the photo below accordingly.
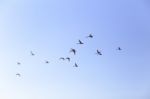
(50, 28)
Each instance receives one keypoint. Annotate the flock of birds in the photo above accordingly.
(72, 50)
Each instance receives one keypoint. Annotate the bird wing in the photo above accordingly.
(62, 58)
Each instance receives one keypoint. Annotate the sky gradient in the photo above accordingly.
(50, 28)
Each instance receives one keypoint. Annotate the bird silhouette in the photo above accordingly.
(68, 58)
(119, 49)
(75, 65)
(18, 74)
(80, 42)
(47, 62)
(98, 52)
(18, 63)
(73, 51)
(90, 36)
(32, 53)
(62, 58)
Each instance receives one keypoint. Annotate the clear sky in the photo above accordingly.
(50, 28)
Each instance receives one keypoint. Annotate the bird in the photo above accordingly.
(62, 58)
(46, 62)
(80, 42)
(73, 51)
(98, 52)
(119, 49)
(32, 53)
(90, 36)
(18, 74)
(75, 65)
(18, 63)
(68, 58)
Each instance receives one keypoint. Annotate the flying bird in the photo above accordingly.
(62, 58)
(46, 62)
(98, 52)
(19, 75)
(68, 58)
(73, 51)
(18, 63)
(75, 65)
(80, 42)
(119, 49)
(32, 53)
(90, 36)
